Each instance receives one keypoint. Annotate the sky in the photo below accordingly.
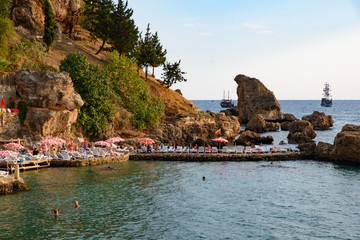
(291, 46)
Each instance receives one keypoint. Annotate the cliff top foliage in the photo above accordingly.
(106, 89)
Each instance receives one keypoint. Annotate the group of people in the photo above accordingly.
(56, 211)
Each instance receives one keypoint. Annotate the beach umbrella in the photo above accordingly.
(220, 139)
(146, 141)
(72, 147)
(48, 142)
(13, 145)
(115, 139)
(101, 143)
(58, 140)
(7, 153)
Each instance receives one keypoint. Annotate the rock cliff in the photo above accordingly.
(301, 131)
(347, 144)
(30, 14)
(196, 128)
(255, 98)
(51, 100)
(319, 120)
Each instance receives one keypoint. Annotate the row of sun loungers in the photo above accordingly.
(237, 149)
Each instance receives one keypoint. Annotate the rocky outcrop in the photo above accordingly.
(255, 98)
(195, 127)
(347, 144)
(323, 151)
(234, 111)
(11, 125)
(249, 137)
(285, 126)
(52, 103)
(319, 120)
(9, 184)
(30, 14)
(308, 148)
(52, 90)
(301, 131)
(288, 119)
(258, 124)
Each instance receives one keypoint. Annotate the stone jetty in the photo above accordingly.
(208, 157)
(88, 161)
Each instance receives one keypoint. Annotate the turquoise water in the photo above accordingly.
(169, 200)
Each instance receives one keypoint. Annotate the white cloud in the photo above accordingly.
(253, 26)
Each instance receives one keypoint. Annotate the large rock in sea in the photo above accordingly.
(30, 14)
(196, 127)
(258, 124)
(51, 100)
(301, 131)
(255, 98)
(347, 144)
(249, 137)
(288, 119)
(323, 151)
(319, 120)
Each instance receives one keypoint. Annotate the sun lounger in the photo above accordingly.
(293, 148)
(193, 150)
(171, 149)
(179, 149)
(232, 150)
(164, 149)
(201, 150)
(239, 149)
(66, 156)
(214, 149)
(208, 150)
(186, 150)
(247, 150)
(224, 150)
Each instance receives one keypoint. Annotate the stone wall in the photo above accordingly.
(88, 162)
(9, 125)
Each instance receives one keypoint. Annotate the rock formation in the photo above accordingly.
(323, 151)
(30, 14)
(288, 119)
(9, 184)
(249, 137)
(255, 98)
(52, 102)
(301, 131)
(347, 144)
(258, 124)
(196, 127)
(319, 120)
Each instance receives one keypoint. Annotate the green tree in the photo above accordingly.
(148, 52)
(124, 33)
(172, 73)
(98, 20)
(6, 29)
(50, 24)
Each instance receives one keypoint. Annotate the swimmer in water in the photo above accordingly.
(203, 178)
(56, 213)
(77, 204)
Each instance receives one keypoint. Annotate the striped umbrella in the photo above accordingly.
(115, 139)
(219, 139)
(8, 153)
(101, 143)
(48, 142)
(44, 148)
(146, 141)
(58, 140)
(13, 145)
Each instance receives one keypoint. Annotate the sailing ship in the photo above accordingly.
(226, 103)
(326, 100)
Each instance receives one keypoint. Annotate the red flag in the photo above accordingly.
(2, 103)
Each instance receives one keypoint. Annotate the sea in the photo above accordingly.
(301, 199)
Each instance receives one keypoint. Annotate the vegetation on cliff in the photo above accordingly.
(50, 24)
(106, 89)
(6, 32)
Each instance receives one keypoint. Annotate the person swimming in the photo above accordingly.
(203, 178)
(56, 212)
(77, 204)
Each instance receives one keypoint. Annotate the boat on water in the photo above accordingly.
(226, 102)
(326, 100)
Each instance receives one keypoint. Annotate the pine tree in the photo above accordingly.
(172, 73)
(50, 25)
(124, 33)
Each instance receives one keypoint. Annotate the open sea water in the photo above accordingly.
(169, 200)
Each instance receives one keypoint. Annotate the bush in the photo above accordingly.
(22, 112)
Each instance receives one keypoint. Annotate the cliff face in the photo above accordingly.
(52, 103)
(30, 14)
(255, 98)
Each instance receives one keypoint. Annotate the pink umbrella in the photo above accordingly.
(8, 153)
(115, 139)
(102, 143)
(48, 142)
(58, 140)
(72, 147)
(13, 145)
(219, 139)
(146, 141)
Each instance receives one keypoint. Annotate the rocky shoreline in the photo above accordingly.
(8, 184)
